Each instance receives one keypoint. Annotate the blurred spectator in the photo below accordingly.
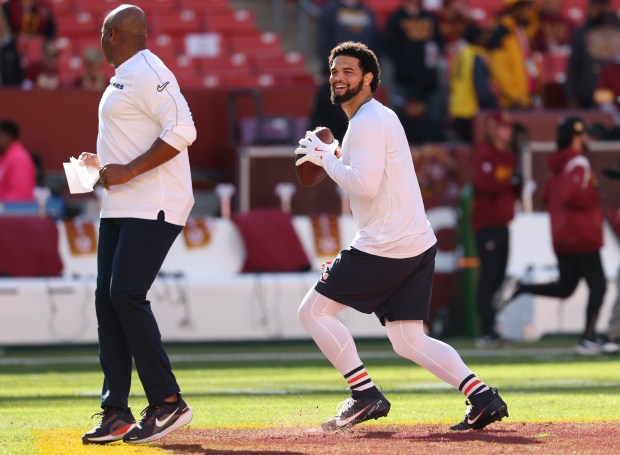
(325, 113)
(17, 169)
(593, 44)
(11, 72)
(470, 88)
(415, 46)
(346, 20)
(43, 74)
(93, 76)
(572, 195)
(607, 95)
(454, 19)
(555, 28)
(512, 64)
(31, 17)
(496, 185)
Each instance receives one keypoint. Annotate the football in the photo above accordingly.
(309, 174)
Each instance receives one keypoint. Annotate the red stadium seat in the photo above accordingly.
(30, 48)
(290, 63)
(61, 7)
(235, 22)
(266, 43)
(207, 6)
(235, 64)
(207, 45)
(181, 22)
(69, 68)
(78, 24)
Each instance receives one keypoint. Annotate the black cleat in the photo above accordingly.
(158, 421)
(353, 411)
(486, 408)
(114, 424)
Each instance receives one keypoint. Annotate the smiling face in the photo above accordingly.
(346, 79)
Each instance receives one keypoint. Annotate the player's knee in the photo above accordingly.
(305, 312)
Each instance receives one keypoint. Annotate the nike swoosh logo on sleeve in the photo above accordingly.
(160, 88)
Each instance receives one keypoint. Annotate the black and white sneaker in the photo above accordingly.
(485, 408)
(158, 421)
(353, 411)
(114, 424)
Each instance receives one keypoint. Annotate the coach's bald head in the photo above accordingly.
(123, 34)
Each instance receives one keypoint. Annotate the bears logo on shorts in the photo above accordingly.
(325, 267)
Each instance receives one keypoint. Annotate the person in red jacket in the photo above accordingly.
(572, 196)
(496, 186)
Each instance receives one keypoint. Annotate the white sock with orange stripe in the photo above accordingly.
(471, 385)
(359, 381)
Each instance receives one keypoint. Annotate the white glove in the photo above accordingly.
(314, 149)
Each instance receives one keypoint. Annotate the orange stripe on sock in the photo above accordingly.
(356, 378)
(471, 386)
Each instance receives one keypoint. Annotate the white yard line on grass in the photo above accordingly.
(288, 356)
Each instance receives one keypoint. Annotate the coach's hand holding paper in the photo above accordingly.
(81, 179)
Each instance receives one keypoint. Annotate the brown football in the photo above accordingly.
(309, 174)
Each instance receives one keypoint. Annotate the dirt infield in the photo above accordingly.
(512, 438)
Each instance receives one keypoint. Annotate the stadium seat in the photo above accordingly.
(205, 7)
(30, 48)
(290, 63)
(237, 64)
(78, 25)
(207, 45)
(61, 7)
(69, 68)
(165, 45)
(263, 44)
(233, 23)
(181, 22)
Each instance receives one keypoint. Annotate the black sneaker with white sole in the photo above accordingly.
(158, 421)
(353, 411)
(114, 424)
(484, 409)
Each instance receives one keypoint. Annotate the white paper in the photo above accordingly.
(81, 179)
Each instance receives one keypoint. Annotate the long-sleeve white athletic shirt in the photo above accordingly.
(144, 102)
(377, 171)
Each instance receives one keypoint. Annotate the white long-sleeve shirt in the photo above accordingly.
(376, 169)
(144, 102)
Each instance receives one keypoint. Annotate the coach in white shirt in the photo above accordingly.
(145, 127)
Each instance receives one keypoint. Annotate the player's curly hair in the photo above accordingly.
(368, 60)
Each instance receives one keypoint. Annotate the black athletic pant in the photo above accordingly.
(130, 254)
(492, 248)
(573, 267)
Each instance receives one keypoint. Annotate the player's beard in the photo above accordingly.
(347, 95)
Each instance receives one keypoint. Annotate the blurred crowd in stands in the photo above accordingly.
(447, 59)
(465, 56)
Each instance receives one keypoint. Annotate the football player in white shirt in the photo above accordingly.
(389, 266)
(145, 127)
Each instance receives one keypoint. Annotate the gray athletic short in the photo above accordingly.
(396, 289)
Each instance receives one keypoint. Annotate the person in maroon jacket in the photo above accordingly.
(572, 196)
(496, 186)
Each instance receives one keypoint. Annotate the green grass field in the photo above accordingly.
(47, 392)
